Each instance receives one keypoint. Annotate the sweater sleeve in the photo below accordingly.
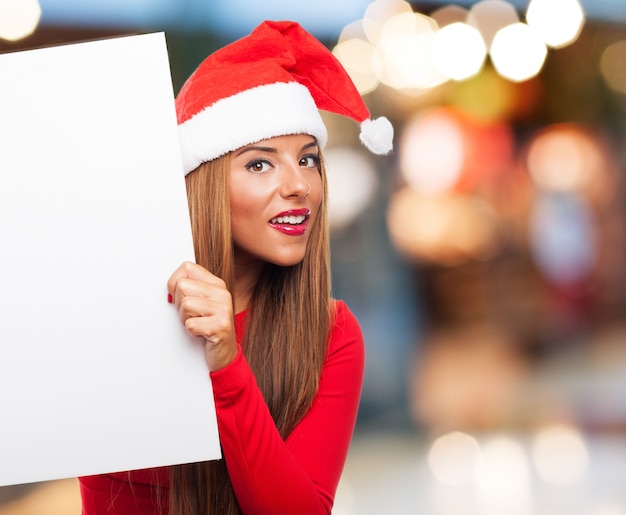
(299, 475)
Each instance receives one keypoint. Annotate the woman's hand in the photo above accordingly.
(206, 309)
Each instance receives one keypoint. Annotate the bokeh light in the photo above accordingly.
(404, 60)
(612, 66)
(18, 18)
(489, 16)
(458, 51)
(449, 14)
(453, 458)
(446, 230)
(560, 455)
(517, 52)
(432, 152)
(558, 22)
(562, 237)
(414, 52)
(564, 158)
(442, 149)
(378, 13)
(502, 476)
(356, 56)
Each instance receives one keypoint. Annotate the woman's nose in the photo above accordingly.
(294, 183)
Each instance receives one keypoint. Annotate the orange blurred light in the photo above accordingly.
(432, 152)
(564, 158)
(446, 229)
(444, 150)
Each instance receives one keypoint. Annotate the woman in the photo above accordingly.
(285, 360)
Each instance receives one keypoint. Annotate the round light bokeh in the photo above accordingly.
(404, 58)
(517, 52)
(559, 22)
(356, 56)
(564, 158)
(453, 458)
(458, 51)
(503, 475)
(432, 152)
(560, 455)
(18, 18)
(612, 66)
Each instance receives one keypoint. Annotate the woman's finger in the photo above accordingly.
(191, 279)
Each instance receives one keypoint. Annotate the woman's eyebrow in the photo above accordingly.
(272, 149)
(310, 145)
(261, 149)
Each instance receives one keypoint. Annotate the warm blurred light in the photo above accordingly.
(377, 14)
(406, 25)
(351, 185)
(442, 150)
(560, 456)
(448, 15)
(447, 230)
(489, 16)
(608, 508)
(562, 238)
(458, 51)
(352, 30)
(564, 158)
(404, 60)
(453, 458)
(489, 154)
(18, 18)
(467, 375)
(558, 22)
(356, 56)
(469, 96)
(612, 66)
(517, 52)
(502, 476)
(432, 152)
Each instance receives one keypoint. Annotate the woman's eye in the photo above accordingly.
(258, 166)
(310, 161)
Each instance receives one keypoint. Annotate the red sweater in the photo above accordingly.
(270, 475)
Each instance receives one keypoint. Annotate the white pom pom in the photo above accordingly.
(377, 135)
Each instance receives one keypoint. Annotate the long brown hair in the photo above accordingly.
(286, 357)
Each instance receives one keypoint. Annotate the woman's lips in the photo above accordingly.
(293, 222)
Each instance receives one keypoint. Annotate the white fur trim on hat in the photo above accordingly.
(251, 115)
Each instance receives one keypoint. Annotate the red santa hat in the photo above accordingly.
(269, 83)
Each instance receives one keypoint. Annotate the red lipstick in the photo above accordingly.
(293, 222)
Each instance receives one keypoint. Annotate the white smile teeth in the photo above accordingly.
(293, 220)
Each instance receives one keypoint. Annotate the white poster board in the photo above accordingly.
(97, 374)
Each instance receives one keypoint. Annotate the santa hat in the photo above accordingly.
(270, 83)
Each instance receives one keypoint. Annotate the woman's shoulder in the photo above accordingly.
(346, 330)
(342, 314)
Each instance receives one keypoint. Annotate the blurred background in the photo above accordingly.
(484, 257)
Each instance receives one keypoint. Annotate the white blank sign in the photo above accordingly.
(97, 374)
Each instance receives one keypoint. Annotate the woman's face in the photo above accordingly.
(275, 196)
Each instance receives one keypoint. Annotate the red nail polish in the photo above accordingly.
(169, 298)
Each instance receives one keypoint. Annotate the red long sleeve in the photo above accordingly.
(299, 475)
(269, 475)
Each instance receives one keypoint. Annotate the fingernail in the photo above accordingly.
(169, 298)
